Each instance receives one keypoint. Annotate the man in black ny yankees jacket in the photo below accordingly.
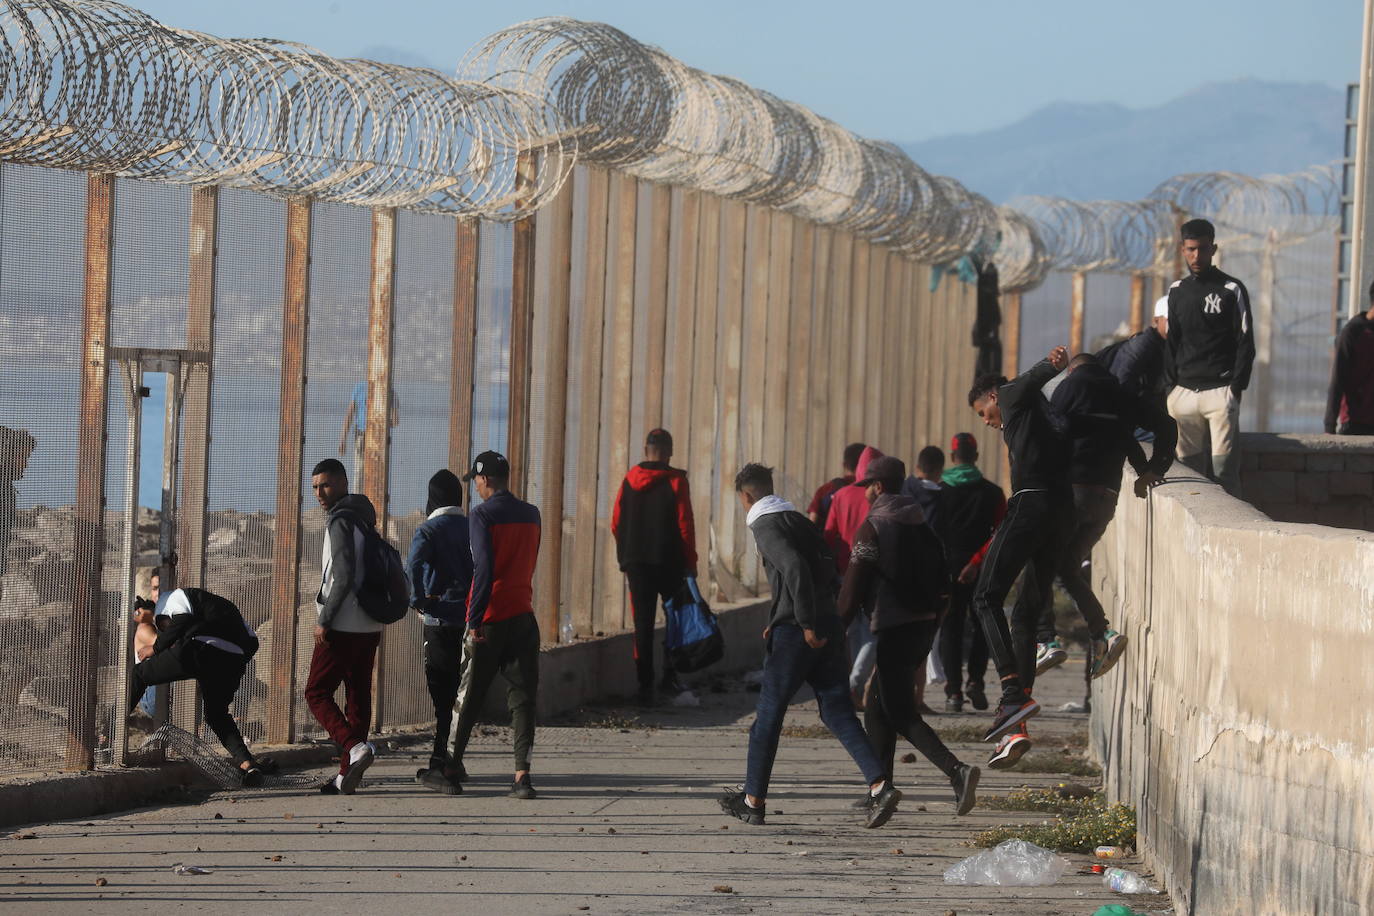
(1211, 345)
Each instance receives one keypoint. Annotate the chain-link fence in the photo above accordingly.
(738, 328)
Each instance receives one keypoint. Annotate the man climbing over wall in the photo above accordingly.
(1030, 538)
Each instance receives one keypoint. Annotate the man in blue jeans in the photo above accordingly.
(805, 646)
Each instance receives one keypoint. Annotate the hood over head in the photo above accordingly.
(869, 455)
(356, 504)
(445, 489)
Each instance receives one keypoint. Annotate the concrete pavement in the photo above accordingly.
(626, 822)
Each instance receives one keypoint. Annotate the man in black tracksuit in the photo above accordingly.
(655, 543)
(1033, 534)
(1211, 346)
(1100, 419)
(897, 573)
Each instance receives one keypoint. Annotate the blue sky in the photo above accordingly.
(903, 71)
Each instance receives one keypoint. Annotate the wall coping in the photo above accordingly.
(1306, 442)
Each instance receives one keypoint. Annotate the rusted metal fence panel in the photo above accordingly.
(403, 342)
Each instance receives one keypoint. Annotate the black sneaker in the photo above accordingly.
(434, 778)
(670, 685)
(965, 783)
(1014, 709)
(884, 806)
(330, 786)
(976, 697)
(954, 703)
(733, 803)
(360, 757)
(252, 777)
(522, 788)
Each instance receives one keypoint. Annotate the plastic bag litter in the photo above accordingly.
(1071, 706)
(1014, 863)
(686, 698)
(179, 869)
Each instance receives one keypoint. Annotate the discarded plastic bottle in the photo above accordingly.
(1125, 881)
(1110, 852)
(566, 633)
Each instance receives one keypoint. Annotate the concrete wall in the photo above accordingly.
(1328, 480)
(1241, 722)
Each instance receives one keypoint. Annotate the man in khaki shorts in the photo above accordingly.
(1211, 347)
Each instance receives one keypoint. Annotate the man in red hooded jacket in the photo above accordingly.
(656, 544)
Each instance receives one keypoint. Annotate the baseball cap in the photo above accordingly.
(488, 464)
(963, 444)
(659, 438)
(884, 468)
(1162, 307)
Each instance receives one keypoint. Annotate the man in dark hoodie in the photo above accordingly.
(1030, 538)
(655, 542)
(346, 638)
(440, 575)
(805, 645)
(924, 486)
(971, 508)
(897, 571)
(1100, 418)
(1350, 397)
(1137, 362)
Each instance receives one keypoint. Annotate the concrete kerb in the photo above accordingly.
(571, 675)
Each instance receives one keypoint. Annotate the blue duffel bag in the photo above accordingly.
(693, 638)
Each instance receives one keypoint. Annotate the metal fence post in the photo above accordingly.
(1077, 306)
(286, 548)
(377, 438)
(616, 365)
(589, 349)
(521, 332)
(89, 548)
(1011, 332)
(1137, 302)
(464, 339)
(558, 218)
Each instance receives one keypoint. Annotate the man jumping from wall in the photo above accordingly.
(1030, 537)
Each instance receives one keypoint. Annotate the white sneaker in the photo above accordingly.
(1049, 655)
(360, 757)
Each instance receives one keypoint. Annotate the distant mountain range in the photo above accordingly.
(1108, 151)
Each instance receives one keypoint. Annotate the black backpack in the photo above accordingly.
(384, 594)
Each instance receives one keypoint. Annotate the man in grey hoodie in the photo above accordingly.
(805, 645)
(897, 571)
(346, 637)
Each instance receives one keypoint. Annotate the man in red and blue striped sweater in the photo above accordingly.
(503, 635)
